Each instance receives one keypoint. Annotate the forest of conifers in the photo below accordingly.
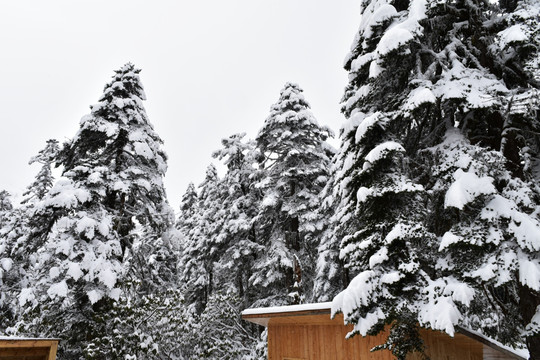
(426, 215)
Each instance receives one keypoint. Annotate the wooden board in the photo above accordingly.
(28, 349)
(441, 346)
(316, 339)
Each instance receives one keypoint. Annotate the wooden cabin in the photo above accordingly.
(306, 332)
(27, 349)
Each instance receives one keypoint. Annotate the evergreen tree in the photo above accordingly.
(17, 237)
(331, 277)
(424, 77)
(44, 178)
(493, 240)
(187, 209)
(5, 205)
(221, 334)
(111, 192)
(152, 326)
(200, 250)
(6, 263)
(385, 245)
(239, 245)
(294, 162)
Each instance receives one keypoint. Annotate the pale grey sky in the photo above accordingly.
(210, 69)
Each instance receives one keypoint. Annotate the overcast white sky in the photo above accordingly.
(210, 68)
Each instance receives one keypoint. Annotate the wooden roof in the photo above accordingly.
(28, 349)
(306, 313)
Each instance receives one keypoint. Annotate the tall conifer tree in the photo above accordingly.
(294, 162)
(110, 193)
(430, 146)
(239, 243)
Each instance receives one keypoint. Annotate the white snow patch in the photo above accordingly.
(379, 151)
(6, 264)
(466, 187)
(448, 239)
(375, 69)
(397, 231)
(391, 277)
(512, 34)
(58, 290)
(486, 271)
(393, 39)
(105, 225)
(360, 61)
(94, 296)
(65, 195)
(288, 308)
(54, 272)
(374, 14)
(142, 149)
(367, 123)
(459, 291)
(86, 225)
(359, 292)
(379, 257)
(439, 312)
(529, 273)
(115, 294)
(418, 97)
(269, 200)
(366, 323)
(107, 277)
(363, 193)
(26, 296)
(525, 229)
(417, 10)
(120, 185)
(74, 270)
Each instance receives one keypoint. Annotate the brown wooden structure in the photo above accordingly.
(307, 333)
(28, 349)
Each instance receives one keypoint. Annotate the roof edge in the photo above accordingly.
(288, 310)
(507, 350)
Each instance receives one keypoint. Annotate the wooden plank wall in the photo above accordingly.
(317, 337)
(310, 340)
(320, 342)
(441, 346)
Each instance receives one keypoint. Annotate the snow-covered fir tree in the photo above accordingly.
(385, 246)
(44, 178)
(238, 235)
(201, 246)
(16, 235)
(221, 333)
(188, 209)
(330, 276)
(7, 276)
(110, 195)
(427, 76)
(5, 204)
(294, 164)
(493, 240)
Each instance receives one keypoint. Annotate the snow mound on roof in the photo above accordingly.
(288, 308)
